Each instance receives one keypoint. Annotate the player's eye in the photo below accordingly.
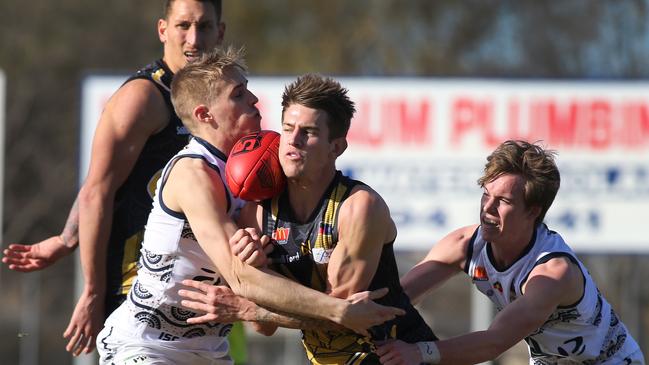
(205, 26)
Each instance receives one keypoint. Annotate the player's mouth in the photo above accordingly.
(293, 156)
(192, 55)
(490, 223)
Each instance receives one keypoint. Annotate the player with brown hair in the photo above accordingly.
(543, 293)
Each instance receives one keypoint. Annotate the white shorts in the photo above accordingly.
(117, 350)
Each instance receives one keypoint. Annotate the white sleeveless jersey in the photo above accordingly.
(170, 254)
(588, 332)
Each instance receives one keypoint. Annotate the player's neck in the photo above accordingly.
(305, 193)
(506, 252)
(217, 140)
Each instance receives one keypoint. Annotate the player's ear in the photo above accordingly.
(202, 113)
(338, 146)
(221, 32)
(535, 211)
(162, 30)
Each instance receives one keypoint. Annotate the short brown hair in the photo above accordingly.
(217, 7)
(322, 93)
(535, 164)
(197, 82)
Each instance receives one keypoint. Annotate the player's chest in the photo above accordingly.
(297, 243)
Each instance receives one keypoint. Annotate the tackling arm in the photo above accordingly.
(557, 282)
(205, 209)
(444, 260)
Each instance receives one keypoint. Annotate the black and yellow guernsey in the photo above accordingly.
(302, 252)
(134, 198)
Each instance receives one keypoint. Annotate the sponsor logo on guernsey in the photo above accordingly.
(321, 255)
(480, 274)
(498, 286)
(281, 235)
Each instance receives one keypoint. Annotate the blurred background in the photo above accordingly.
(48, 48)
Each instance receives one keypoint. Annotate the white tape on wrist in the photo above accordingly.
(429, 352)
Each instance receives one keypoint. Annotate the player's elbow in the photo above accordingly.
(91, 197)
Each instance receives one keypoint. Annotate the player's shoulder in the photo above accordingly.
(193, 174)
(459, 238)
(142, 91)
(139, 102)
(364, 197)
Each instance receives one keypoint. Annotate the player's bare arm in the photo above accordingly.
(445, 259)
(134, 113)
(555, 283)
(205, 210)
(218, 306)
(221, 304)
(365, 226)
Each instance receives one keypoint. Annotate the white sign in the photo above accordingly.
(422, 144)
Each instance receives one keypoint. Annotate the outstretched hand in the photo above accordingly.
(85, 324)
(28, 258)
(218, 303)
(364, 313)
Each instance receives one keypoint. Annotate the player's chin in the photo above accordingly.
(291, 171)
(254, 121)
(489, 233)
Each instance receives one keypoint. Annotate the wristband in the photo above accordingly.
(429, 352)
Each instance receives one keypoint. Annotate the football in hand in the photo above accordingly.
(253, 171)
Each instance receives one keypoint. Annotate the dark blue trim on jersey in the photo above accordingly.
(180, 215)
(527, 250)
(163, 182)
(213, 150)
(554, 255)
(469, 250)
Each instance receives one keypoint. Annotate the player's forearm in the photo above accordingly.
(424, 278)
(472, 348)
(70, 234)
(415, 284)
(270, 290)
(95, 219)
(288, 320)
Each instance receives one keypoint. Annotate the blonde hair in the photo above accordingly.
(198, 82)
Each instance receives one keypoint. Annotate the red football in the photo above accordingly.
(253, 171)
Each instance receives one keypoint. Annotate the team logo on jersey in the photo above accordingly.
(480, 274)
(498, 286)
(281, 235)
